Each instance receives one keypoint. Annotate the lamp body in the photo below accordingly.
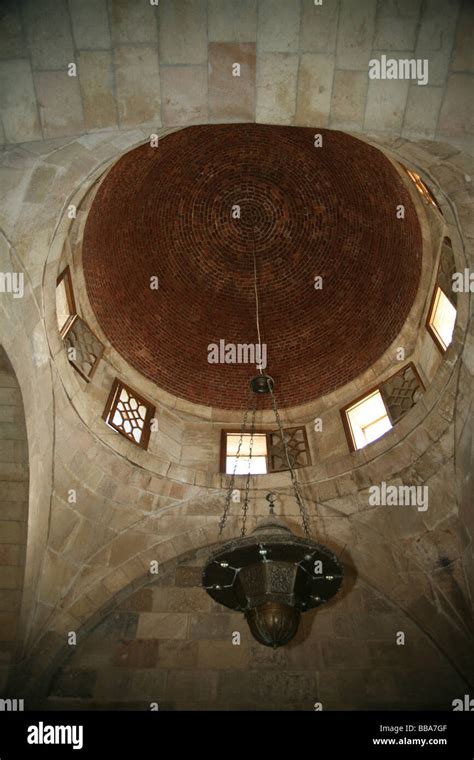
(272, 576)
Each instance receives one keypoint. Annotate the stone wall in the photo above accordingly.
(170, 643)
(170, 64)
(13, 513)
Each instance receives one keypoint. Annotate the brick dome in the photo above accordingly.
(309, 211)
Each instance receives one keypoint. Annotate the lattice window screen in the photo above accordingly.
(297, 445)
(83, 348)
(129, 413)
(401, 392)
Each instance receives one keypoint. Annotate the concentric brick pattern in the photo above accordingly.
(306, 211)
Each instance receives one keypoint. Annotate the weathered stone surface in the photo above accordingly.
(318, 29)
(216, 626)
(399, 8)
(96, 81)
(183, 31)
(232, 98)
(343, 654)
(140, 601)
(12, 42)
(120, 625)
(184, 95)
(422, 110)
(11, 577)
(59, 103)
(132, 21)
(8, 626)
(184, 600)
(74, 683)
(138, 85)
(436, 36)
(463, 58)
(395, 32)
(278, 26)
(11, 554)
(184, 686)
(157, 625)
(90, 25)
(48, 32)
(174, 652)
(315, 80)
(276, 88)
(189, 576)
(136, 654)
(356, 29)
(18, 102)
(385, 105)
(232, 20)
(148, 686)
(9, 600)
(457, 112)
(113, 683)
(218, 655)
(13, 532)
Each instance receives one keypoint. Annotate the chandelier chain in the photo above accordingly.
(257, 310)
(294, 480)
(230, 489)
(247, 482)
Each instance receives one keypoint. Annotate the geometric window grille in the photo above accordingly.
(83, 348)
(423, 189)
(297, 446)
(401, 392)
(129, 413)
(268, 453)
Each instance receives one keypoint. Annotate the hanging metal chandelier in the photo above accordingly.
(272, 575)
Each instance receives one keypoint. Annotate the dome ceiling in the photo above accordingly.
(308, 212)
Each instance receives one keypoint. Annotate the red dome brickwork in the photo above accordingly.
(329, 211)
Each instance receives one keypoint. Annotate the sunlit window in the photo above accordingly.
(423, 189)
(65, 304)
(367, 420)
(269, 452)
(442, 319)
(257, 464)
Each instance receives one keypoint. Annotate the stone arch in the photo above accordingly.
(14, 492)
(23, 340)
(126, 634)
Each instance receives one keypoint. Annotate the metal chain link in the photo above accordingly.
(247, 482)
(294, 480)
(230, 489)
